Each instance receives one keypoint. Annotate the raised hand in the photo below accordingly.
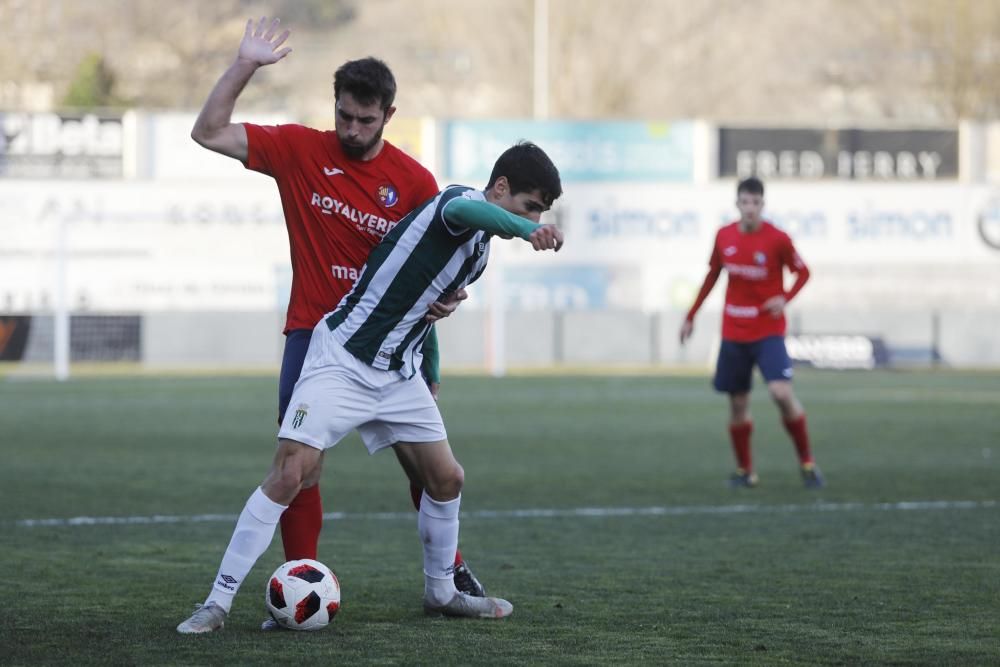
(260, 46)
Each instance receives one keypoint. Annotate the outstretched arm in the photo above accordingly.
(495, 220)
(214, 128)
(710, 279)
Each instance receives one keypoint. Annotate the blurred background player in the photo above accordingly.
(341, 192)
(362, 372)
(754, 254)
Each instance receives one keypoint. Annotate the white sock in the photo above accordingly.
(251, 537)
(437, 524)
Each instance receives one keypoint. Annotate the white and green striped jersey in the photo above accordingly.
(422, 260)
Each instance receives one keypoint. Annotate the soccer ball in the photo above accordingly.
(302, 595)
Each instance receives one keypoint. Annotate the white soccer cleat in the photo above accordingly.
(207, 618)
(467, 606)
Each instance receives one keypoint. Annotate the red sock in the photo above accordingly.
(301, 523)
(800, 436)
(740, 435)
(415, 494)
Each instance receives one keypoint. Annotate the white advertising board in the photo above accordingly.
(138, 246)
(929, 243)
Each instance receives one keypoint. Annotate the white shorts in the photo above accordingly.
(337, 393)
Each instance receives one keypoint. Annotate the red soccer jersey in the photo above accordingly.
(755, 263)
(336, 209)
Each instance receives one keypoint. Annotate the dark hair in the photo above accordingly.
(369, 80)
(751, 186)
(528, 168)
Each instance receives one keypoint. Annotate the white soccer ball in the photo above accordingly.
(302, 595)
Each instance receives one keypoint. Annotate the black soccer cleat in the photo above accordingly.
(742, 479)
(812, 478)
(467, 583)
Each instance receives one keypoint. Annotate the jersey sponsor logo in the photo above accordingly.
(747, 271)
(345, 272)
(388, 195)
(366, 222)
(301, 413)
(741, 311)
(332, 172)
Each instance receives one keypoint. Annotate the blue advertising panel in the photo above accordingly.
(583, 150)
(563, 288)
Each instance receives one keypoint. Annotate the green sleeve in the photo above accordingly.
(487, 217)
(430, 368)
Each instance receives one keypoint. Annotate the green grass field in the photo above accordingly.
(896, 562)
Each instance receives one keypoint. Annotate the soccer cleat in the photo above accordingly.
(467, 606)
(812, 477)
(741, 479)
(467, 583)
(270, 624)
(206, 618)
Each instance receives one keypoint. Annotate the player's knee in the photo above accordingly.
(311, 477)
(282, 484)
(781, 392)
(292, 468)
(739, 407)
(447, 483)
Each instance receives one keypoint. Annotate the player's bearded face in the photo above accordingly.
(359, 126)
(356, 147)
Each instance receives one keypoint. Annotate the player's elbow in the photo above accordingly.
(206, 134)
(227, 141)
(199, 136)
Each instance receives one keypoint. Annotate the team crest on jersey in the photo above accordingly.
(759, 258)
(300, 415)
(387, 195)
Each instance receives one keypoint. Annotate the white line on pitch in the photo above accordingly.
(681, 510)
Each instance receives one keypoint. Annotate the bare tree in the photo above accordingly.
(955, 47)
(769, 61)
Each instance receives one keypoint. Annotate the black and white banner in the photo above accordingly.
(838, 351)
(845, 154)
